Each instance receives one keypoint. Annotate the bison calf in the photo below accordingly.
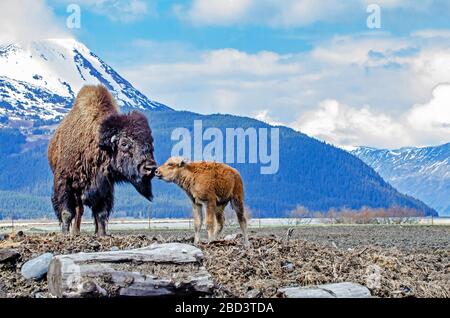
(93, 148)
(208, 184)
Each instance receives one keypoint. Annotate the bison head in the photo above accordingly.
(127, 139)
(170, 170)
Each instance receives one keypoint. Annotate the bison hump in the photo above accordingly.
(95, 99)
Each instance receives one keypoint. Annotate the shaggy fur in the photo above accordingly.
(211, 184)
(93, 148)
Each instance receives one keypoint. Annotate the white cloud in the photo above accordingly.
(392, 4)
(389, 74)
(265, 116)
(276, 88)
(431, 121)
(275, 13)
(432, 33)
(360, 50)
(226, 80)
(214, 11)
(29, 20)
(116, 10)
(304, 12)
(345, 126)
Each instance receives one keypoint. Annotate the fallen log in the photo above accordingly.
(171, 269)
(8, 257)
(337, 290)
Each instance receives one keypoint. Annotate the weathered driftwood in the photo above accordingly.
(337, 290)
(8, 255)
(157, 270)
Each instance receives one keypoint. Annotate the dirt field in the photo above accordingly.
(393, 261)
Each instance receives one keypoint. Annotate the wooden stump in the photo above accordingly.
(158, 270)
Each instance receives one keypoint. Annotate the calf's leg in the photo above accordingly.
(238, 207)
(198, 220)
(210, 218)
(220, 220)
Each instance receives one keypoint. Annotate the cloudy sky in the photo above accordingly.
(315, 66)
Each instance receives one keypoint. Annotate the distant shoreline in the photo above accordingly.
(121, 224)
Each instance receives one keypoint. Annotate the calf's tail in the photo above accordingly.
(237, 203)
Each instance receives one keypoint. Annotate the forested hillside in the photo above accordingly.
(311, 173)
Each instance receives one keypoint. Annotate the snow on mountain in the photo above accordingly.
(39, 80)
(420, 172)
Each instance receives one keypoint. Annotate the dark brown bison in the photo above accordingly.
(93, 148)
(208, 184)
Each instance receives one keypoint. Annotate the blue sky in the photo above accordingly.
(312, 65)
(160, 22)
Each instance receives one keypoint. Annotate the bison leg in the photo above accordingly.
(198, 220)
(66, 220)
(63, 204)
(210, 218)
(101, 204)
(238, 207)
(101, 220)
(101, 213)
(76, 223)
(220, 220)
(100, 223)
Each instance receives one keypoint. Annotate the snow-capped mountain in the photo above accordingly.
(39, 80)
(421, 172)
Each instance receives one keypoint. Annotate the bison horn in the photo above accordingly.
(113, 139)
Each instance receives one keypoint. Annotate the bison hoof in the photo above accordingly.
(65, 229)
(102, 235)
(211, 241)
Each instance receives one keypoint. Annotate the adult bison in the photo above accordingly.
(93, 148)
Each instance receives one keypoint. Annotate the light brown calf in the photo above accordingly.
(208, 184)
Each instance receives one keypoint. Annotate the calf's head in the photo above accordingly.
(170, 170)
(128, 141)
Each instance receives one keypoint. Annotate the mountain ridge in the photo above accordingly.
(423, 172)
(39, 81)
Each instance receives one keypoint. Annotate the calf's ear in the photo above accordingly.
(109, 132)
(182, 163)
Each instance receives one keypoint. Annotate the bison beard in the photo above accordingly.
(144, 187)
(93, 148)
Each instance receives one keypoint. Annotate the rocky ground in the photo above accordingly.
(393, 261)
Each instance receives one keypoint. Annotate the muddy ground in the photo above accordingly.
(393, 261)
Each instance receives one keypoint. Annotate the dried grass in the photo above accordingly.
(272, 261)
